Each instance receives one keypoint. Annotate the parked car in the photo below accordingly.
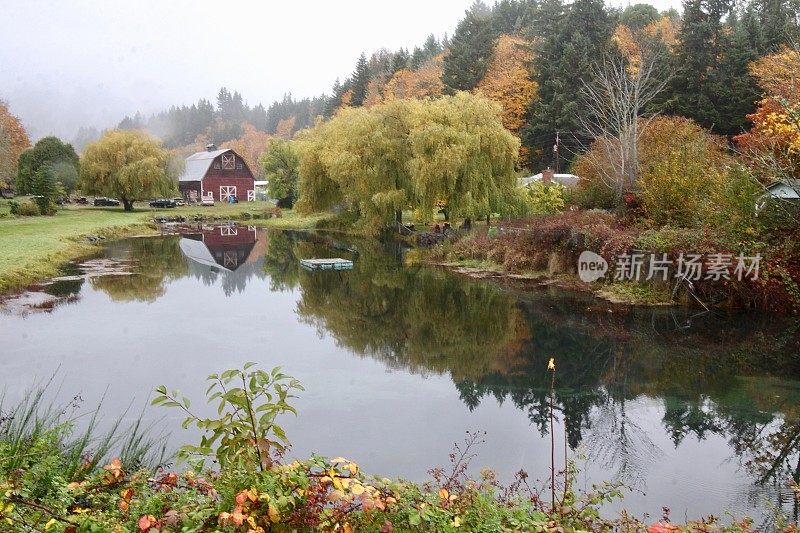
(103, 201)
(179, 201)
(82, 200)
(163, 202)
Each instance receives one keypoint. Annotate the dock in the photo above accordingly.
(335, 263)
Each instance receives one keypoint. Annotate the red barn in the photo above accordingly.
(218, 175)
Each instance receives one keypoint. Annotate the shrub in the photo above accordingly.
(13, 207)
(544, 198)
(590, 194)
(28, 209)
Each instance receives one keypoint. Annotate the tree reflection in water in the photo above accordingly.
(732, 376)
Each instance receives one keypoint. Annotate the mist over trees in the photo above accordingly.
(533, 58)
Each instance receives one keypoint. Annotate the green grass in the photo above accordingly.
(33, 248)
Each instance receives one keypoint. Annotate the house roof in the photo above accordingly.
(567, 180)
(788, 188)
(197, 164)
(794, 183)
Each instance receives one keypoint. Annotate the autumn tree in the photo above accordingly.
(279, 165)
(680, 169)
(250, 146)
(410, 154)
(13, 141)
(614, 104)
(422, 83)
(462, 155)
(772, 146)
(508, 81)
(128, 165)
(48, 151)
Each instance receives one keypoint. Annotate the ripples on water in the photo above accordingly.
(699, 412)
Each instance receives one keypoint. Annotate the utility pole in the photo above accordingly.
(555, 152)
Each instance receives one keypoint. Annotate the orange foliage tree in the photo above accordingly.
(250, 146)
(13, 141)
(508, 81)
(285, 127)
(423, 83)
(772, 146)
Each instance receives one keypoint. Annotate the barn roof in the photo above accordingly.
(197, 164)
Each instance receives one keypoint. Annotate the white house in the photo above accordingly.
(548, 176)
(784, 189)
(787, 189)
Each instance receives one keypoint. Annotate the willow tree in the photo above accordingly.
(128, 165)
(359, 158)
(409, 153)
(462, 157)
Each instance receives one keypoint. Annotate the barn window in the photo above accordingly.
(228, 162)
(216, 166)
(239, 166)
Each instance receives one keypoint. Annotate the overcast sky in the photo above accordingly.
(64, 64)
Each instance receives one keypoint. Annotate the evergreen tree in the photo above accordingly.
(417, 58)
(740, 90)
(509, 16)
(470, 49)
(46, 189)
(360, 81)
(697, 88)
(570, 39)
(400, 60)
(431, 46)
(638, 16)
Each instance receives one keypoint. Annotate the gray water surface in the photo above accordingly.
(699, 412)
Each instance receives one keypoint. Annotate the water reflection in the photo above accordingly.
(633, 385)
(727, 376)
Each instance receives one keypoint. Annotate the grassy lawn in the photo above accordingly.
(32, 248)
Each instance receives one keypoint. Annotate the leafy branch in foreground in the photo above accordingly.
(244, 433)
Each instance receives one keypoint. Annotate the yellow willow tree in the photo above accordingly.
(462, 155)
(359, 158)
(128, 165)
(410, 154)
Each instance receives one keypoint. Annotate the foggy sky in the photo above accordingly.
(66, 64)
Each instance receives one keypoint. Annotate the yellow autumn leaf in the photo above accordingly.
(551, 365)
(443, 494)
(273, 513)
(337, 460)
(456, 522)
(337, 483)
(358, 489)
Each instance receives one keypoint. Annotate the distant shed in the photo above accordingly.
(218, 175)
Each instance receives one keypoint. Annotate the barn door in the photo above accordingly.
(251, 196)
(226, 191)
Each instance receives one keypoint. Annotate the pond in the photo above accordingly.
(699, 412)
